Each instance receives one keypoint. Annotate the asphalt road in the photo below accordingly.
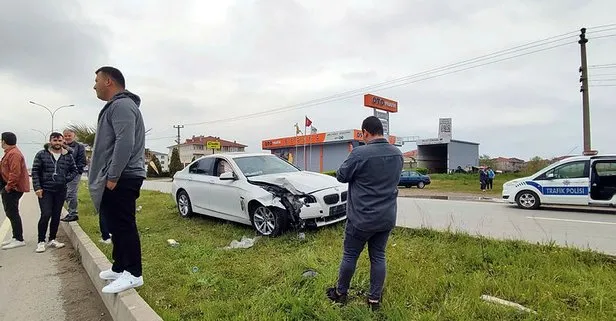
(578, 227)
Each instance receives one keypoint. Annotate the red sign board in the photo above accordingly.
(380, 103)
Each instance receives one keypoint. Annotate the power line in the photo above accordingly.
(603, 86)
(405, 81)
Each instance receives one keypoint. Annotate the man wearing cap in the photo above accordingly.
(14, 183)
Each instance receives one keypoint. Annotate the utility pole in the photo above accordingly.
(178, 141)
(584, 89)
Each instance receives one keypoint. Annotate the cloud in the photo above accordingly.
(204, 62)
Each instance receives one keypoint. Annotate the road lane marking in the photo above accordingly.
(4, 228)
(568, 220)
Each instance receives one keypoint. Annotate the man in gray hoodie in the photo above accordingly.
(117, 171)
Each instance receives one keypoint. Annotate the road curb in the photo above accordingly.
(455, 198)
(126, 306)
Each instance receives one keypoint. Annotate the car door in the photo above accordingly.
(602, 180)
(226, 196)
(566, 184)
(404, 177)
(200, 181)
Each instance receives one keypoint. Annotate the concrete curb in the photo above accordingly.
(125, 306)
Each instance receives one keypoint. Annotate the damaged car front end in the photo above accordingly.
(302, 209)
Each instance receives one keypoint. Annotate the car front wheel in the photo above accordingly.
(421, 185)
(184, 205)
(268, 221)
(527, 200)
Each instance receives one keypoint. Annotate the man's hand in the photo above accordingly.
(39, 193)
(111, 185)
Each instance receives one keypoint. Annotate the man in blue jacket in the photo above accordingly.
(78, 152)
(372, 172)
(117, 171)
(53, 168)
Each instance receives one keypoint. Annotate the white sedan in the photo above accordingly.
(261, 190)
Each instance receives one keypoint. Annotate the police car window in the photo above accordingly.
(570, 170)
(606, 169)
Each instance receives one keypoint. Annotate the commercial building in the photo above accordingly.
(196, 147)
(445, 154)
(318, 152)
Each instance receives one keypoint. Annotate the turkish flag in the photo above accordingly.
(308, 122)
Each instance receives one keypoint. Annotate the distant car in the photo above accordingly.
(261, 190)
(412, 178)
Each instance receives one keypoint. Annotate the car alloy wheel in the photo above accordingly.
(421, 185)
(184, 206)
(264, 220)
(528, 200)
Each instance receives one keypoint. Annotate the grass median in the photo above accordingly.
(431, 275)
(465, 183)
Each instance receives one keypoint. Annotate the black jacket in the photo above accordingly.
(49, 175)
(78, 151)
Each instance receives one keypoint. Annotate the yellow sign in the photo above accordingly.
(213, 145)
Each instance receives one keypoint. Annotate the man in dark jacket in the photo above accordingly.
(372, 172)
(52, 170)
(78, 151)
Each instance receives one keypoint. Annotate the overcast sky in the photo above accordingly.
(203, 61)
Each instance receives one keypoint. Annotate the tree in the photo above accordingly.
(155, 170)
(486, 160)
(175, 165)
(534, 164)
(84, 133)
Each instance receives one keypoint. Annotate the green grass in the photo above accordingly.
(431, 275)
(467, 183)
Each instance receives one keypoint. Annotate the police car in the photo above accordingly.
(577, 180)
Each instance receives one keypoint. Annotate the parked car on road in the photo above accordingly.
(261, 190)
(578, 180)
(410, 178)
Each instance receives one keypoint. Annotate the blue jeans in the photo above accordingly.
(354, 243)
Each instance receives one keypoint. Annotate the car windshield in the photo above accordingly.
(263, 165)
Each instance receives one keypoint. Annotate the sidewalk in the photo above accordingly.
(49, 286)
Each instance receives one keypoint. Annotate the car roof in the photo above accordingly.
(237, 155)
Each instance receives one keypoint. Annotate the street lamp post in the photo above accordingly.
(52, 113)
(44, 135)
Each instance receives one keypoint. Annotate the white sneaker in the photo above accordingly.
(7, 242)
(40, 247)
(109, 275)
(56, 244)
(107, 241)
(13, 244)
(125, 282)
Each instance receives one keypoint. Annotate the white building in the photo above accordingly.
(196, 147)
(162, 158)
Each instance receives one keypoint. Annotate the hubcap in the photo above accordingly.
(183, 204)
(264, 220)
(420, 185)
(527, 200)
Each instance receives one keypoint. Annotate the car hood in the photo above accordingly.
(517, 180)
(303, 181)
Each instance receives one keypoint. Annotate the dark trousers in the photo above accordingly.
(490, 183)
(51, 207)
(102, 224)
(10, 202)
(354, 242)
(118, 209)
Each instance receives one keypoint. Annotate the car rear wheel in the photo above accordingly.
(527, 200)
(421, 185)
(184, 204)
(268, 221)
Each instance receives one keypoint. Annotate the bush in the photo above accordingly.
(330, 173)
(421, 170)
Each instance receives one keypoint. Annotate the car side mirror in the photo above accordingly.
(227, 176)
